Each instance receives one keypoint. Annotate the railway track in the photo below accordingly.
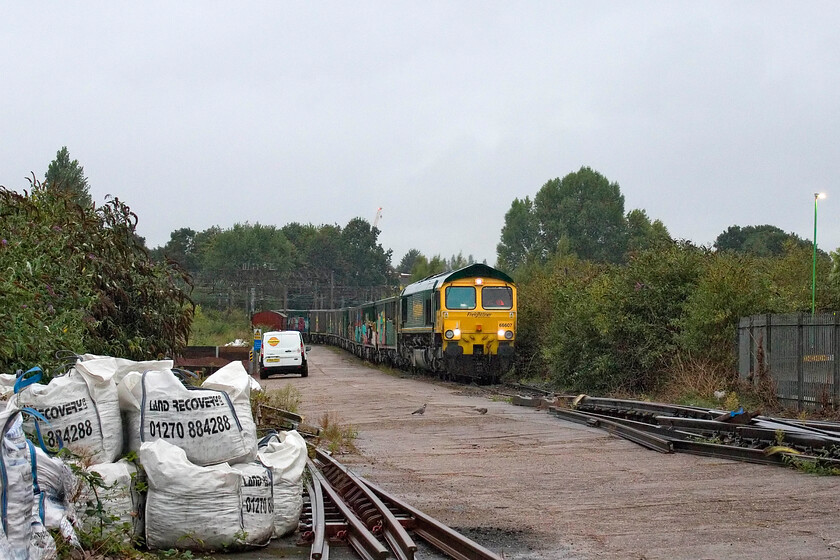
(344, 507)
(735, 435)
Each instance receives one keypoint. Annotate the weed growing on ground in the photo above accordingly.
(693, 383)
(334, 436)
(286, 398)
(731, 402)
(811, 466)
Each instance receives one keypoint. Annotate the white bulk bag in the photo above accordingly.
(22, 536)
(53, 485)
(203, 422)
(257, 502)
(83, 413)
(121, 502)
(7, 386)
(189, 506)
(285, 454)
(119, 367)
(235, 381)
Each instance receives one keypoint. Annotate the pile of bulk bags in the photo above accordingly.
(209, 485)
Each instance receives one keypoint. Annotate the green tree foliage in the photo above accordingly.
(833, 282)
(761, 241)
(607, 327)
(75, 278)
(407, 262)
(588, 211)
(554, 320)
(65, 175)
(180, 248)
(642, 234)
(424, 267)
(520, 236)
(325, 257)
(789, 280)
(459, 261)
(731, 286)
(248, 247)
(298, 265)
(366, 262)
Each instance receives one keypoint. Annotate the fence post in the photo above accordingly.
(835, 341)
(800, 355)
(768, 345)
(751, 350)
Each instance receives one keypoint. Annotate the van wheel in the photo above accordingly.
(263, 374)
(305, 371)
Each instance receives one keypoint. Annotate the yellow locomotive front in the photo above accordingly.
(476, 321)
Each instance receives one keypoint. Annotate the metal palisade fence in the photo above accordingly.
(798, 352)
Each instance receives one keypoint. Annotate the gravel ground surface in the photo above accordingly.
(523, 483)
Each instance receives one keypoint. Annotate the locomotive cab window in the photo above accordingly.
(496, 297)
(460, 297)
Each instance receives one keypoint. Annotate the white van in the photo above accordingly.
(283, 352)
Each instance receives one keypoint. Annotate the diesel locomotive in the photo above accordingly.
(459, 325)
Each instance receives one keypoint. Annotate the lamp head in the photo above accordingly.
(819, 195)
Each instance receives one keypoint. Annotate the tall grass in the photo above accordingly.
(211, 327)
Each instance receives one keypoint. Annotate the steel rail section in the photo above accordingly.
(639, 436)
(368, 507)
(358, 536)
(320, 549)
(776, 437)
(830, 427)
(441, 536)
(658, 408)
(696, 424)
(787, 426)
(747, 454)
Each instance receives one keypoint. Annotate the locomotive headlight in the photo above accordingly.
(501, 333)
(457, 332)
(508, 334)
(449, 334)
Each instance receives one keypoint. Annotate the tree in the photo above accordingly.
(520, 236)
(248, 247)
(642, 234)
(731, 286)
(302, 237)
(181, 248)
(63, 174)
(459, 261)
(588, 211)
(408, 260)
(424, 267)
(761, 241)
(366, 262)
(75, 278)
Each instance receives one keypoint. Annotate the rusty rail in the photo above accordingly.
(368, 507)
(441, 536)
(344, 505)
(320, 548)
(357, 534)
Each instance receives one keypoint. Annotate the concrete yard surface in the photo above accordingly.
(524, 483)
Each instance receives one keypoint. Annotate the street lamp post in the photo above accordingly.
(817, 196)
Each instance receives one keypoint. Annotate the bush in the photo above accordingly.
(78, 278)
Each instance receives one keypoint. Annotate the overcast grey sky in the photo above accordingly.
(707, 114)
